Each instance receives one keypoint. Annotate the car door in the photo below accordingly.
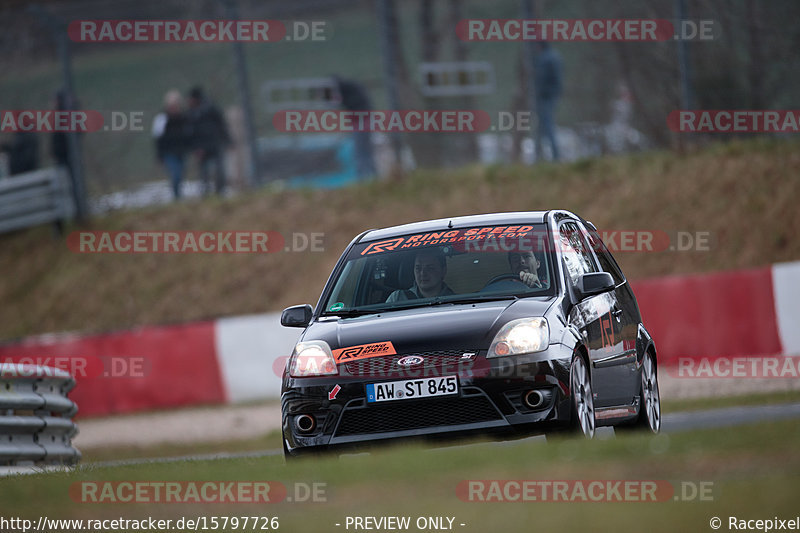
(627, 317)
(593, 316)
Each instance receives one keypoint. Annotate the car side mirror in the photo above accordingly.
(593, 284)
(297, 316)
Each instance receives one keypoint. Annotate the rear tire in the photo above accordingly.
(582, 417)
(649, 418)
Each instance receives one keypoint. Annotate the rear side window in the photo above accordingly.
(577, 257)
(604, 257)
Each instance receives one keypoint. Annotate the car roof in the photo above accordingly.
(443, 224)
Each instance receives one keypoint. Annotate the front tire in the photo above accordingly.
(582, 399)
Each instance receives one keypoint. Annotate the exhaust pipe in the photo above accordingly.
(533, 399)
(305, 423)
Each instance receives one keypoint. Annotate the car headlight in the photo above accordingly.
(523, 335)
(312, 358)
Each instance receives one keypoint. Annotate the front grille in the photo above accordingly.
(440, 362)
(402, 416)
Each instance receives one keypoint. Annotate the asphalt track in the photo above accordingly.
(728, 416)
(671, 423)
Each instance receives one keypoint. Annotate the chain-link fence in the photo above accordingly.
(616, 95)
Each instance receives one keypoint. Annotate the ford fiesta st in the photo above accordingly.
(508, 324)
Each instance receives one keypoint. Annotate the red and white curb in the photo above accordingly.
(231, 360)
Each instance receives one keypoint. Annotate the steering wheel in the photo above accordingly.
(503, 277)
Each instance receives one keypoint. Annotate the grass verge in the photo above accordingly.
(748, 472)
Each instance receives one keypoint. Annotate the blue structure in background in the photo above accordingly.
(314, 160)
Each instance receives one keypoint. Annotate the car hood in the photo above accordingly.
(441, 327)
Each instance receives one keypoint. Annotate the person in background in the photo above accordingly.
(209, 137)
(23, 152)
(170, 130)
(59, 147)
(354, 98)
(548, 76)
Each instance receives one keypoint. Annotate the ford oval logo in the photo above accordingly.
(411, 360)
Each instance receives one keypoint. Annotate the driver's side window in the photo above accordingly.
(576, 255)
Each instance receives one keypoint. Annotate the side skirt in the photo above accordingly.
(607, 416)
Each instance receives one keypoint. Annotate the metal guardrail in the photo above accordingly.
(36, 424)
(34, 198)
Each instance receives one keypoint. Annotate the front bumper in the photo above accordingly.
(489, 401)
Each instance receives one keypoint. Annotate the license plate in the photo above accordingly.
(412, 388)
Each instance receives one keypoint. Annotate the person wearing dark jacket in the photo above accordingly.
(59, 147)
(548, 78)
(23, 152)
(209, 137)
(171, 131)
(354, 98)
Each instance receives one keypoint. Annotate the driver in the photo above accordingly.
(526, 265)
(430, 267)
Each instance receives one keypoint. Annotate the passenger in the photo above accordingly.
(430, 267)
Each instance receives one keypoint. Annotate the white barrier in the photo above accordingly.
(786, 292)
(249, 351)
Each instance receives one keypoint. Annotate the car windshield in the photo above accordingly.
(446, 267)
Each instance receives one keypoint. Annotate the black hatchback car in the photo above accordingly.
(507, 323)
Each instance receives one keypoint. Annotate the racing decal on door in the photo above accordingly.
(363, 351)
(607, 331)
